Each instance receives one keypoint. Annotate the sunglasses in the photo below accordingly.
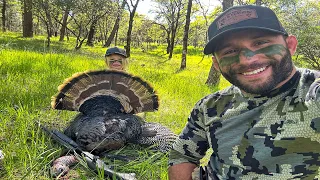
(111, 61)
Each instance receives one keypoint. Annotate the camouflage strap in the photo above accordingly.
(204, 173)
(314, 90)
(1, 155)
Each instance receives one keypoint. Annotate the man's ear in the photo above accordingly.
(215, 63)
(292, 44)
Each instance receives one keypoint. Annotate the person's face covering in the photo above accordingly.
(255, 61)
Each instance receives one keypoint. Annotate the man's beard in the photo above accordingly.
(280, 72)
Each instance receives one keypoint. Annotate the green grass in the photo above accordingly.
(30, 74)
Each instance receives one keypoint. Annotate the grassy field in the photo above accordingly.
(30, 74)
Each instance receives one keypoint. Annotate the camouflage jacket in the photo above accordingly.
(274, 136)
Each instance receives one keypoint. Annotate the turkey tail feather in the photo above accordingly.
(134, 94)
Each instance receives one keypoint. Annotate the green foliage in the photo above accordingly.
(13, 15)
(30, 74)
(304, 23)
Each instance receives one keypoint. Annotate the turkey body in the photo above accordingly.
(107, 102)
(104, 133)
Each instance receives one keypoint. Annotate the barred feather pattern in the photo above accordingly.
(134, 94)
(163, 139)
(104, 133)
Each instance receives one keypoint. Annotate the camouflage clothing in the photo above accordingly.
(274, 136)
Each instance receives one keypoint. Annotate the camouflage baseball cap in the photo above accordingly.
(116, 50)
(242, 17)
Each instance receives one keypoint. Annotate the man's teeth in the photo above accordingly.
(255, 71)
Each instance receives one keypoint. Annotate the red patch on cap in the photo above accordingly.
(235, 16)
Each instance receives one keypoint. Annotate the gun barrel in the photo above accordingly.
(94, 163)
(61, 138)
(91, 160)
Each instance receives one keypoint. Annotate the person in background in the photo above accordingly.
(116, 59)
(266, 125)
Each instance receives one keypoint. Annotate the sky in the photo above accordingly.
(145, 5)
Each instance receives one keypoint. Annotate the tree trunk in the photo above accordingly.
(48, 18)
(185, 37)
(3, 12)
(48, 21)
(80, 41)
(64, 23)
(37, 26)
(68, 37)
(116, 38)
(173, 34)
(129, 35)
(168, 42)
(214, 75)
(48, 35)
(175, 24)
(116, 25)
(90, 41)
(27, 18)
(130, 28)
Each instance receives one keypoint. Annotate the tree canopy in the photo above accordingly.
(117, 22)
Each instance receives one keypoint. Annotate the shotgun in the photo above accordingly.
(92, 161)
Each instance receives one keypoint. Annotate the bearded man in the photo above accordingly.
(267, 124)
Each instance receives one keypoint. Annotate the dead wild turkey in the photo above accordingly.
(108, 101)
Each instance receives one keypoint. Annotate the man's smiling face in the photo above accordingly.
(256, 61)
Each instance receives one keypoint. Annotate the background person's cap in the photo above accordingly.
(116, 50)
(242, 17)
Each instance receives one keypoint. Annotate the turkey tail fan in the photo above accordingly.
(134, 94)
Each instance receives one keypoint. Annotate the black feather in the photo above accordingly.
(101, 106)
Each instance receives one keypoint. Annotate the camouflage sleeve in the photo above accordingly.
(314, 91)
(191, 145)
